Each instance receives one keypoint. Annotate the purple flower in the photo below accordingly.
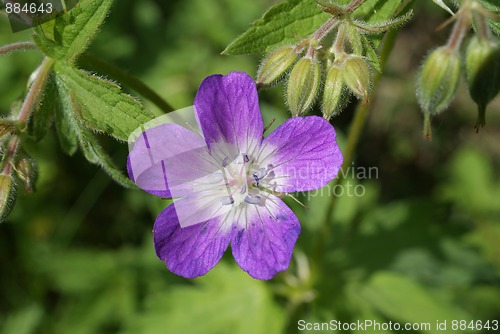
(228, 181)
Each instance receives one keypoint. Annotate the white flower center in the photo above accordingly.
(241, 177)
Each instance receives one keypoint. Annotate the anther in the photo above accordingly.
(253, 199)
(259, 175)
(227, 200)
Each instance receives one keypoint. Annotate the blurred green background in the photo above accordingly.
(422, 244)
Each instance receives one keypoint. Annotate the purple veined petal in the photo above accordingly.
(264, 236)
(191, 251)
(169, 160)
(301, 154)
(227, 110)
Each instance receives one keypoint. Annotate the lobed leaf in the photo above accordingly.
(94, 153)
(280, 25)
(65, 121)
(103, 106)
(68, 35)
(292, 19)
(73, 133)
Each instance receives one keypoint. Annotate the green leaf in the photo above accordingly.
(24, 321)
(103, 106)
(73, 133)
(68, 35)
(371, 54)
(373, 11)
(378, 12)
(471, 184)
(285, 22)
(280, 25)
(41, 120)
(226, 298)
(65, 121)
(94, 153)
(403, 300)
(494, 7)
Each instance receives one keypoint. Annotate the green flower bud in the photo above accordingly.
(334, 93)
(303, 85)
(354, 38)
(7, 195)
(438, 80)
(482, 67)
(275, 65)
(357, 76)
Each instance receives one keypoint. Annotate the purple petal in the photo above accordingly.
(169, 160)
(227, 109)
(191, 251)
(263, 238)
(201, 206)
(302, 155)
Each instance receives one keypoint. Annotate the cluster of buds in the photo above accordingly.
(15, 165)
(343, 65)
(441, 71)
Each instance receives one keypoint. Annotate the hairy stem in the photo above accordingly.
(20, 46)
(36, 90)
(462, 25)
(32, 98)
(119, 75)
(353, 5)
(338, 45)
(325, 29)
(10, 154)
(481, 25)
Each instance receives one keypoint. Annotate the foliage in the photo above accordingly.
(420, 244)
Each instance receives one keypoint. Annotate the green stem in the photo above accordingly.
(460, 28)
(36, 90)
(20, 46)
(94, 63)
(355, 131)
(353, 5)
(34, 95)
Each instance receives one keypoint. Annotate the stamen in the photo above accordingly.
(253, 199)
(227, 200)
(259, 175)
(256, 179)
(224, 162)
(245, 158)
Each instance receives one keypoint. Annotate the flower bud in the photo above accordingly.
(334, 92)
(275, 65)
(27, 172)
(438, 80)
(482, 67)
(357, 76)
(7, 195)
(354, 38)
(303, 85)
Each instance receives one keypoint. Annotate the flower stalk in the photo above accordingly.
(353, 138)
(15, 47)
(32, 98)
